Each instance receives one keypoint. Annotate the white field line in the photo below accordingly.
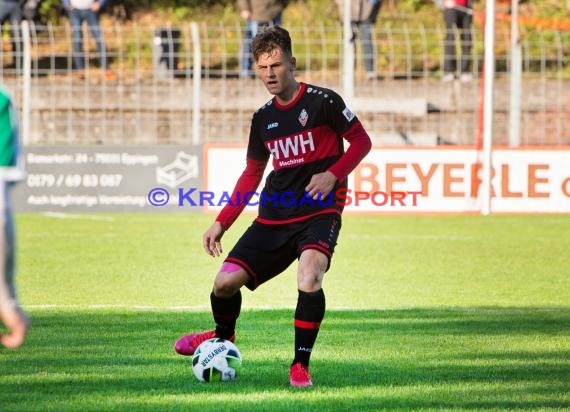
(58, 215)
(128, 307)
(180, 308)
(153, 308)
(119, 217)
(411, 236)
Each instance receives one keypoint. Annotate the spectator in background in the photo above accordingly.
(30, 9)
(10, 11)
(363, 15)
(11, 314)
(257, 14)
(457, 14)
(87, 11)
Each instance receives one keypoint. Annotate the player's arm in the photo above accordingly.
(247, 183)
(359, 146)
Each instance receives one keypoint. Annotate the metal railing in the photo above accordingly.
(150, 101)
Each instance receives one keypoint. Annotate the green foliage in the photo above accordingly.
(298, 12)
(50, 10)
(412, 6)
(137, 5)
(180, 13)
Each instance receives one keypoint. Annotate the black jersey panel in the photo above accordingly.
(303, 138)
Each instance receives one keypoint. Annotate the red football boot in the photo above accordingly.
(299, 376)
(187, 344)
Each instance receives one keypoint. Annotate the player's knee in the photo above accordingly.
(227, 284)
(310, 281)
(224, 287)
(312, 268)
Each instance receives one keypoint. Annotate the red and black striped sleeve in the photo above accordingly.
(247, 182)
(360, 145)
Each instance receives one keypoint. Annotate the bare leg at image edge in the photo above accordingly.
(11, 315)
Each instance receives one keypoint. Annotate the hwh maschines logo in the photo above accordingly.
(291, 146)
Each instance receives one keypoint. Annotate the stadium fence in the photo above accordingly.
(154, 98)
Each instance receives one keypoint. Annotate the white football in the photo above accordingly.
(216, 360)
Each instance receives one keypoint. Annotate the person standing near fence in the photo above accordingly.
(88, 11)
(30, 9)
(11, 314)
(457, 14)
(11, 12)
(257, 14)
(363, 15)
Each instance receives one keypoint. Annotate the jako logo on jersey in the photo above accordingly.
(272, 125)
(348, 114)
(303, 117)
(287, 147)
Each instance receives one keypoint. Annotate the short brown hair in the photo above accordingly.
(270, 38)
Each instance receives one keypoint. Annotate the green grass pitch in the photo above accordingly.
(423, 313)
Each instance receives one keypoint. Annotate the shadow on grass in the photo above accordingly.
(499, 358)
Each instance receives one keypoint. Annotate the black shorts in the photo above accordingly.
(265, 251)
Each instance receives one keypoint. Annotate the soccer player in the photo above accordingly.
(302, 127)
(11, 314)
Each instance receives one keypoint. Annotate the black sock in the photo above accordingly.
(225, 311)
(308, 316)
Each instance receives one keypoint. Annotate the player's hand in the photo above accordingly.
(211, 239)
(96, 7)
(321, 185)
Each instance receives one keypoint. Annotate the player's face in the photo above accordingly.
(276, 70)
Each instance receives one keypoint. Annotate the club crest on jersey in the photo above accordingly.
(348, 114)
(303, 117)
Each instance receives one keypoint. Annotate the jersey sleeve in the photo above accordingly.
(256, 161)
(345, 123)
(255, 148)
(247, 182)
(360, 145)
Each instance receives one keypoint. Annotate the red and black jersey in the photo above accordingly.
(303, 138)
